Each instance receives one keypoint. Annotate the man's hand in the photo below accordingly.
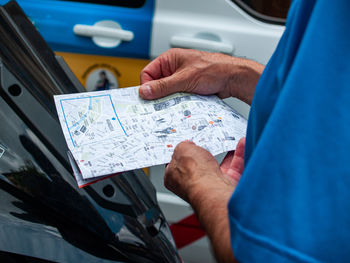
(195, 176)
(193, 173)
(192, 71)
(233, 164)
(190, 167)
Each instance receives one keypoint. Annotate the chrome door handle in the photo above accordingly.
(99, 31)
(104, 33)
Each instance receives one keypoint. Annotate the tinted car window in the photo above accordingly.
(273, 11)
(125, 3)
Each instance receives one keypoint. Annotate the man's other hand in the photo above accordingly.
(193, 169)
(195, 176)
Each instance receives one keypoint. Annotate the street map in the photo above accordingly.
(112, 131)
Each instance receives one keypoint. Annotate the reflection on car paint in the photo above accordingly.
(42, 212)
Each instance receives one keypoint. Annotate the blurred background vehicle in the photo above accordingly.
(107, 43)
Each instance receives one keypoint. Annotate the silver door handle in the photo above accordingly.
(201, 44)
(101, 31)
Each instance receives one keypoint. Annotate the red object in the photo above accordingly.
(187, 231)
(95, 181)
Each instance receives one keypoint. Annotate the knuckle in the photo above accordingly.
(142, 76)
(162, 87)
(181, 146)
(143, 72)
(182, 149)
(186, 144)
(173, 50)
(168, 178)
(166, 182)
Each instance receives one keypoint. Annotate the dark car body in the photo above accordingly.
(44, 216)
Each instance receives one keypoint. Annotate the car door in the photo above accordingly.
(228, 26)
(109, 36)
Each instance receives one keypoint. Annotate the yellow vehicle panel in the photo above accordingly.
(125, 70)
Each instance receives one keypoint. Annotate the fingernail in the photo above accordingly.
(230, 172)
(146, 91)
(233, 174)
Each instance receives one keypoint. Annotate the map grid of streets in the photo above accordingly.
(112, 131)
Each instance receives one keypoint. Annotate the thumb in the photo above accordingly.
(159, 88)
(237, 164)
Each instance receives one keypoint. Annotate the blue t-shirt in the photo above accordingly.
(293, 201)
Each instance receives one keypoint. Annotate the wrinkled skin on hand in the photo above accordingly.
(188, 71)
(192, 169)
(193, 71)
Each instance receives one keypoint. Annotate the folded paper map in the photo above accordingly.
(112, 131)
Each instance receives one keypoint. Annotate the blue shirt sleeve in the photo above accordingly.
(293, 201)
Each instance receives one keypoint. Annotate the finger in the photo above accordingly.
(146, 77)
(183, 146)
(240, 148)
(225, 164)
(237, 163)
(152, 71)
(168, 166)
(169, 170)
(162, 66)
(160, 88)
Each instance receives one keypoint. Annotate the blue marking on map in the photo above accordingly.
(85, 115)
(82, 117)
(110, 98)
(65, 119)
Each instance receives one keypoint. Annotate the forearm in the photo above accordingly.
(210, 204)
(244, 77)
(195, 175)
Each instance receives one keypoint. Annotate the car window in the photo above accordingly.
(272, 11)
(124, 3)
